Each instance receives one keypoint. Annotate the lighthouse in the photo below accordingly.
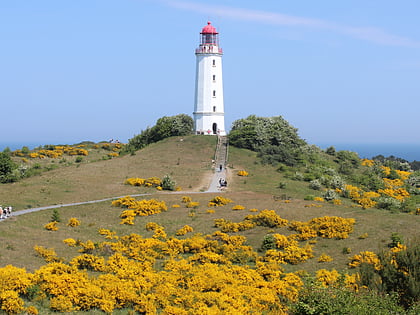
(209, 112)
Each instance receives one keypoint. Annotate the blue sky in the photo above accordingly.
(339, 71)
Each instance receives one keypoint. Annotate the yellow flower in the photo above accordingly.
(51, 226)
(73, 222)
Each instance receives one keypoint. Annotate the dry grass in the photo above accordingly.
(188, 161)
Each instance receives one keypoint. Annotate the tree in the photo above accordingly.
(7, 166)
(273, 138)
(179, 125)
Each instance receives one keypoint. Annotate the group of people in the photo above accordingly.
(222, 183)
(5, 212)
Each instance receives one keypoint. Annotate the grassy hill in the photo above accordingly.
(188, 161)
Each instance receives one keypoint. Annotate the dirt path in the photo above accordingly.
(212, 188)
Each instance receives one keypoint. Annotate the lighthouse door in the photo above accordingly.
(214, 128)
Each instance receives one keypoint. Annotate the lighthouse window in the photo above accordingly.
(214, 62)
(214, 109)
(214, 77)
(214, 93)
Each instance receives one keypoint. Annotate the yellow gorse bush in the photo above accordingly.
(73, 222)
(324, 258)
(367, 162)
(327, 227)
(326, 277)
(51, 226)
(365, 257)
(242, 173)
(138, 208)
(219, 201)
(184, 230)
(149, 182)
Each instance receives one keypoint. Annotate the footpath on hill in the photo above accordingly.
(220, 172)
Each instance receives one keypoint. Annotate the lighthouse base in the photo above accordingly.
(209, 124)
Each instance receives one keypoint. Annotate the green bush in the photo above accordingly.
(168, 183)
(314, 299)
(7, 168)
(179, 125)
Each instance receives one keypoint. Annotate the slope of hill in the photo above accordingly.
(188, 161)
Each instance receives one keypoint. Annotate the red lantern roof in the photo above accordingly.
(209, 29)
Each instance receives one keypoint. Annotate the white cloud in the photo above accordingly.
(370, 34)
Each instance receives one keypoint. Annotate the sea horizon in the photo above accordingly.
(406, 151)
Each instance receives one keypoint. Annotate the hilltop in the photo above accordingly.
(188, 160)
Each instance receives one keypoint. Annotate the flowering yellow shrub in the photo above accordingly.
(31, 310)
(238, 207)
(219, 201)
(70, 242)
(184, 230)
(366, 203)
(10, 302)
(186, 199)
(386, 170)
(319, 199)
(337, 202)
(268, 218)
(89, 262)
(367, 162)
(393, 183)
(352, 192)
(210, 211)
(176, 206)
(243, 173)
(399, 194)
(73, 222)
(324, 258)
(313, 205)
(228, 226)
(365, 257)
(327, 227)
(138, 208)
(149, 182)
(48, 254)
(14, 279)
(327, 278)
(404, 175)
(159, 231)
(215, 278)
(113, 154)
(51, 226)
(398, 248)
(363, 236)
(193, 204)
(108, 234)
(292, 254)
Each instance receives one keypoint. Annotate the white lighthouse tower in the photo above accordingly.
(209, 112)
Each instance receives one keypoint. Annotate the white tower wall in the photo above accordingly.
(209, 113)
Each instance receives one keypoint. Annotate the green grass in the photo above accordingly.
(189, 163)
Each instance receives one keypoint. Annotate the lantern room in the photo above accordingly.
(209, 35)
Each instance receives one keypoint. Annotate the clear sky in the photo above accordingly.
(339, 71)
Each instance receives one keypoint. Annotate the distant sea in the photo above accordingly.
(409, 152)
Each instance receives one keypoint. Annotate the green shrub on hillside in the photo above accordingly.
(273, 138)
(7, 169)
(179, 125)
